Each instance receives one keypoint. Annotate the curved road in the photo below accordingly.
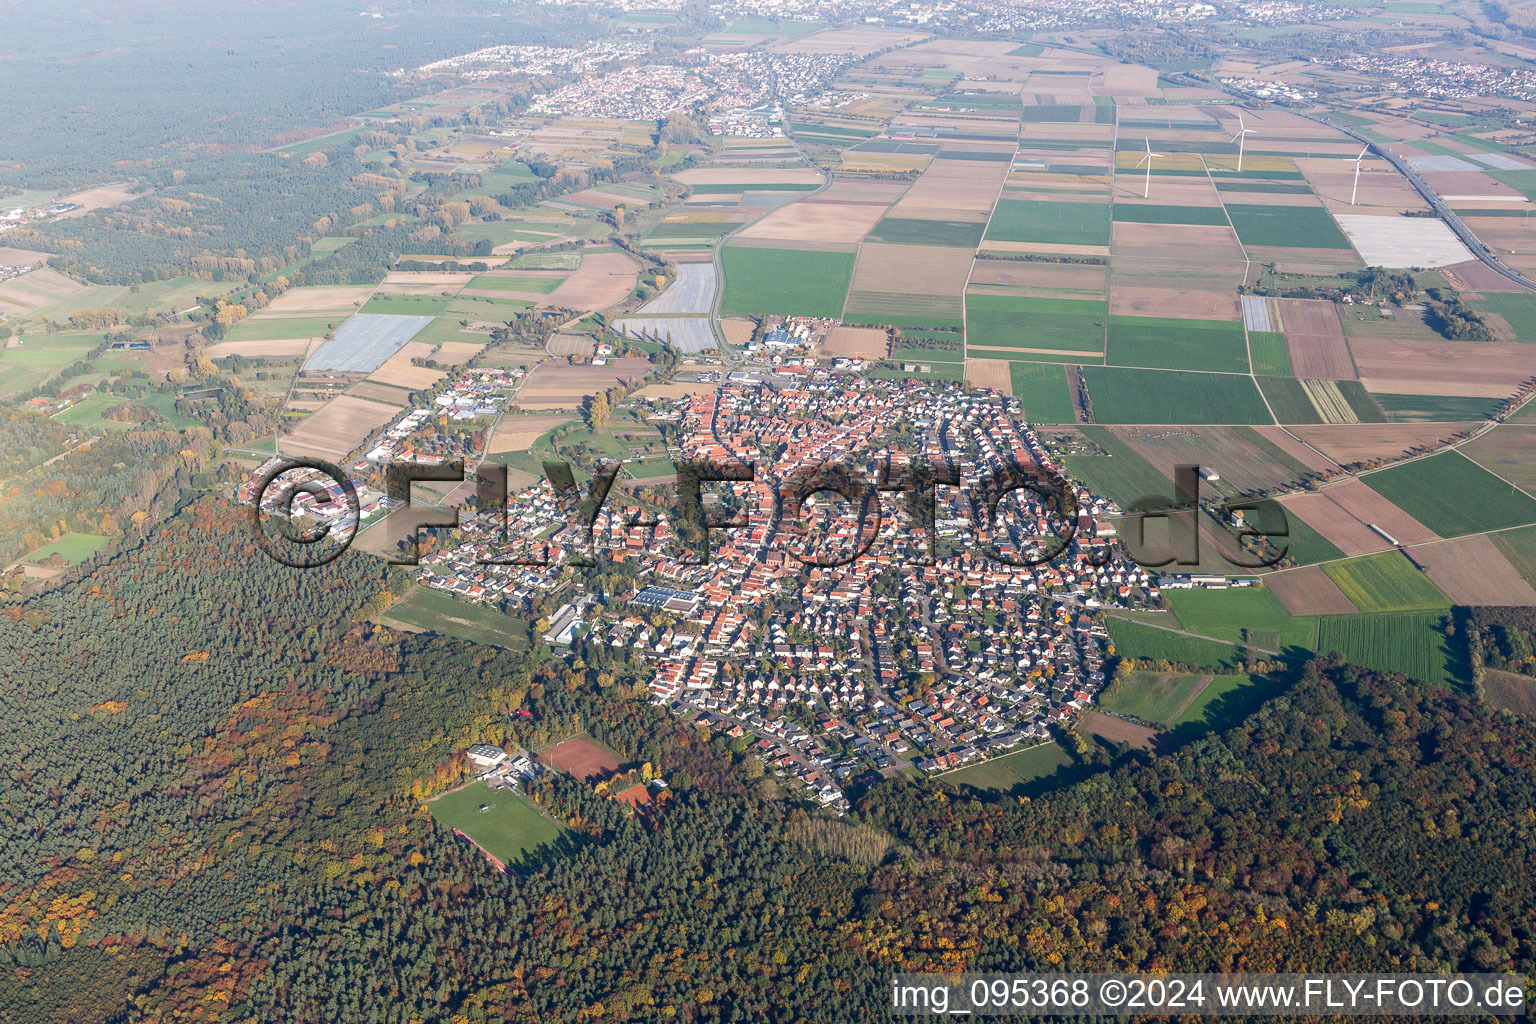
(1432, 197)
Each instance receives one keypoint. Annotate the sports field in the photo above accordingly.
(1452, 495)
(1125, 395)
(1291, 227)
(509, 828)
(1385, 582)
(74, 548)
(426, 610)
(785, 281)
(1177, 344)
(1043, 221)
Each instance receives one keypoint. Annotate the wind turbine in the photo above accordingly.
(1356, 187)
(1146, 191)
(1243, 131)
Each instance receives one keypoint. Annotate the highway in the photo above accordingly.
(1432, 197)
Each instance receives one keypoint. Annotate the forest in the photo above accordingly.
(252, 845)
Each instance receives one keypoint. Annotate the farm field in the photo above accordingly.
(1072, 326)
(1120, 474)
(1252, 615)
(1412, 643)
(1508, 451)
(1043, 221)
(1126, 395)
(282, 328)
(363, 343)
(1386, 582)
(1044, 390)
(406, 305)
(1210, 345)
(1010, 771)
(340, 427)
(910, 231)
(1473, 571)
(1519, 546)
(1515, 309)
(1142, 213)
(428, 611)
(557, 385)
(1452, 495)
(509, 829)
(1269, 353)
(1292, 227)
(785, 281)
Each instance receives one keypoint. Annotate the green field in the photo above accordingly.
(547, 261)
(1120, 474)
(1017, 321)
(407, 305)
(1044, 390)
(1226, 701)
(903, 231)
(285, 327)
(1126, 395)
(1292, 227)
(492, 283)
(1434, 408)
(1386, 582)
(1143, 214)
(1452, 495)
(1305, 544)
(74, 548)
(436, 612)
(503, 177)
(1012, 770)
(1517, 308)
(1134, 640)
(1290, 403)
(688, 229)
(1232, 614)
(88, 411)
(1408, 642)
(1270, 353)
(1155, 696)
(1177, 344)
(1519, 546)
(785, 281)
(509, 829)
(1038, 220)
